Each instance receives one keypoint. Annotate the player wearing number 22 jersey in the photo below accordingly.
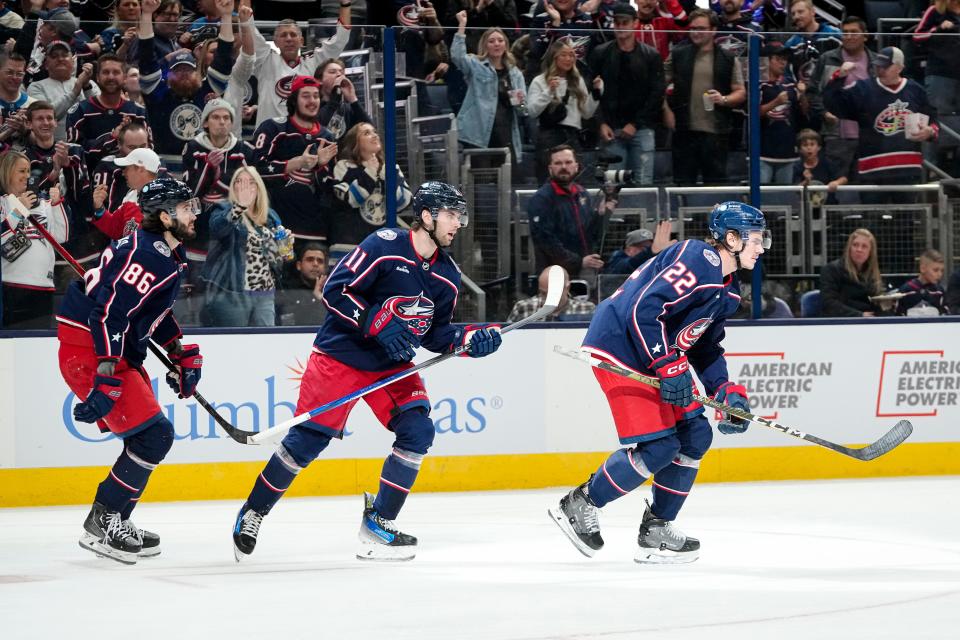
(104, 326)
(666, 318)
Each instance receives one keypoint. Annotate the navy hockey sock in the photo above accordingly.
(399, 472)
(125, 481)
(127, 511)
(273, 481)
(672, 484)
(619, 474)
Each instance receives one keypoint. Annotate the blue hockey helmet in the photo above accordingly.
(740, 217)
(435, 196)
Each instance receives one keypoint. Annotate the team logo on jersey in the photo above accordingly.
(162, 248)
(416, 311)
(373, 210)
(890, 121)
(387, 234)
(711, 257)
(185, 121)
(689, 335)
(130, 226)
(282, 88)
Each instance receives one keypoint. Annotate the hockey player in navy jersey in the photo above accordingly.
(395, 292)
(104, 326)
(667, 317)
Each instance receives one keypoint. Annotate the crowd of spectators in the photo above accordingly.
(274, 140)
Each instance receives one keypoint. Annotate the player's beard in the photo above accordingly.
(181, 232)
(432, 232)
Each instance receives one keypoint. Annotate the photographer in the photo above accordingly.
(564, 224)
(632, 73)
(559, 99)
(340, 109)
(27, 262)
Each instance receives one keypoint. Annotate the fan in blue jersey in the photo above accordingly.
(104, 326)
(392, 294)
(666, 318)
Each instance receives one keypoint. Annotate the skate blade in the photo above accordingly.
(91, 543)
(378, 552)
(561, 520)
(153, 552)
(656, 556)
(239, 555)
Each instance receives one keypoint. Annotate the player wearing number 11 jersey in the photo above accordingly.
(667, 317)
(104, 326)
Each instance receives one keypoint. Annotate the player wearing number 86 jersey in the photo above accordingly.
(104, 326)
(666, 318)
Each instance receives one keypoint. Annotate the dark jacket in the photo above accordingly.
(621, 263)
(682, 58)
(564, 226)
(827, 64)
(632, 93)
(842, 297)
(952, 297)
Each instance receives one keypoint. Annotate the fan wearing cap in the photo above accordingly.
(140, 167)
(882, 106)
(295, 157)
(274, 70)
(212, 157)
(62, 87)
(783, 104)
(174, 106)
(133, 135)
(57, 23)
(639, 246)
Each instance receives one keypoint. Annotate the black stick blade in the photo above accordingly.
(887, 442)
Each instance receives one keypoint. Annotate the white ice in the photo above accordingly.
(789, 560)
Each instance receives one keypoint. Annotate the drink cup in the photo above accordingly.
(707, 101)
(912, 125)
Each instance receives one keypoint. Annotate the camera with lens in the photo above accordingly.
(612, 180)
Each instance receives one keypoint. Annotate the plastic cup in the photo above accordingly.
(911, 126)
(707, 101)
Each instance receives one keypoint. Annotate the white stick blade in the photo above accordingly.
(555, 284)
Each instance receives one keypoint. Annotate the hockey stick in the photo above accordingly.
(555, 286)
(888, 441)
(231, 430)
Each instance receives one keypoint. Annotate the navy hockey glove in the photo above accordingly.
(676, 382)
(733, 395)
(105, 393)
(393, 334)
(483, 339)
(188, 363)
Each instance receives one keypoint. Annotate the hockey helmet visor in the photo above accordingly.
(741, 218)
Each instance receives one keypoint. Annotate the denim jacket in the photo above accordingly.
(225, 267)
(475, 120)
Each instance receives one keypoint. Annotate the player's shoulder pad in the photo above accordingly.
(701, 257)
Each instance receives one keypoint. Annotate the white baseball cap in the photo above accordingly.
(143, 157)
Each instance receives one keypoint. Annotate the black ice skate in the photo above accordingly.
(662, 543)
(149, 541)
(245, 532)
(105, 535)
(380, 539)
(576, 516)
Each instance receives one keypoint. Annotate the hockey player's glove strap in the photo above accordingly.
(733, 395)
(676, 382)
(483, 339)
(392, 333)
(188, 363)
(105, 393)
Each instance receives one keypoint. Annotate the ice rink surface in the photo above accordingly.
(789, 560)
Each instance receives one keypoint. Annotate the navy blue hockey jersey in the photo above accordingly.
(90, 124)
(301, 197)
(386, 270)
(128, 298)
(881, 111)
(676, 301)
